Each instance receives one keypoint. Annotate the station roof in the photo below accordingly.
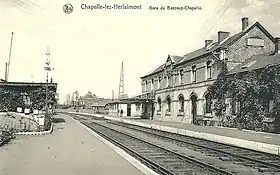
(257, 62)
(22, 84)
(213, 47)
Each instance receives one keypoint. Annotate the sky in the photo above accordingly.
(88, 46)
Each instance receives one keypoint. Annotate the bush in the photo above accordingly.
(58, 120)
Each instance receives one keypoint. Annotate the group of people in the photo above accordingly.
(120, 112)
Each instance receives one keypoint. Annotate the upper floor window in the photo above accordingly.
(208, 70)
(193, 74)
(167, 81)
(181, 76)
(152, 84)
(223, 54)
(146, 85)
(159, 82)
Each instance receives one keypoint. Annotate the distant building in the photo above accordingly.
(129, 107)
(179, 86)
(87, 100)
(101, 105)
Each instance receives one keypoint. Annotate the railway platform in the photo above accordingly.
(70, 149)
(259, 141)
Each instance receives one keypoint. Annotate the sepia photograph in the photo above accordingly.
(183, 87)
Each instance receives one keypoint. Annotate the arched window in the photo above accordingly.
(165, 84)
(159, 82)
(181, 76)
(152, 84)
(167, 81)
(208, 103)
(181, 103)
(208, 70)
(159, 105)
(193, 73)
(146, 85)
(168, 101)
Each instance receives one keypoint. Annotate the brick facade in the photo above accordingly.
(239, 51)
(233, 50)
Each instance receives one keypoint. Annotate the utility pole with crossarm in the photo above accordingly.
(47, 68)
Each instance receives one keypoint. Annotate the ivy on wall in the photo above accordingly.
(253, 90)
(11, 99)
(38, 98)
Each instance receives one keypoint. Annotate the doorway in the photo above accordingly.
(194, 108)
(128, 109)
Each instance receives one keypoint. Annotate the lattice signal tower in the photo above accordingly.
(121, 86)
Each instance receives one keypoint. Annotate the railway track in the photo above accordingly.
(263, 162)
(161, 160)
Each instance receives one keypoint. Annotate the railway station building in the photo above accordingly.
(179, 85)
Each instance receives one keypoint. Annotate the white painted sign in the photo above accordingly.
(41, 120)
(35, 112)
(26, 111)
(255, 42)
(19, 109)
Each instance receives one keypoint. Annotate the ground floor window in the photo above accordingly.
(208, 103)
(267, 104)
(168, 102)
(181, 103)
(159, 105)
(235, 107)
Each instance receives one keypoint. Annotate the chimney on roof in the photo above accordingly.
(245, 23)
(222, 35)
(207, 43)
(277, 45)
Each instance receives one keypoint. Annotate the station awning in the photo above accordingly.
(141, 98)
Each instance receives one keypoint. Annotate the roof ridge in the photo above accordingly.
(226, 42)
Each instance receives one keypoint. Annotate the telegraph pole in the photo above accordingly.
(47, 69)
(7, 70)
(10, 53)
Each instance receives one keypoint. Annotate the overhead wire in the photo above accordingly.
(219, 18)
(218, 10)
